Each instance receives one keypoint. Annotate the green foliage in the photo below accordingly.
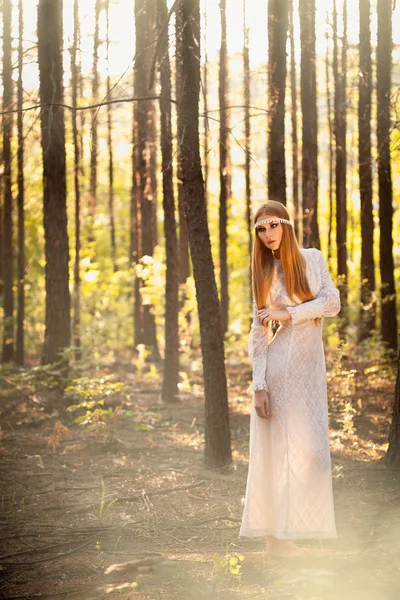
(229, 565)
(40, 388)
(89, 395)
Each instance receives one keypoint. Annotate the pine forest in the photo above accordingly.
(138, 139)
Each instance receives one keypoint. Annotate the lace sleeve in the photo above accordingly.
(258, 350)
(326, 302)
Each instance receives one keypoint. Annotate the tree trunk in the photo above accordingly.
(309, 163)
(21, 198)
(136, 235)
(152, 140)
(295, 148)
(170, 390)
(58, 327)
(223, 170)
(217, 433)
(384, 66)
(205, 104)
(76, 298)
(110, 150)
(341, 158)
(367, 308)
(247, 142)
(82, 113)
(144, 20)
(8, 294)
(184, 258)
(1, 226)
(277, 35)
(393, 452)
(94, 135)
(330, 129)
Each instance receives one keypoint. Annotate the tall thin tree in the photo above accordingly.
(247, 138)
(171, 353)
(144, 21)
(94, 123)
(328, 71)
(393, 452)
(217, 433)
(8, 294)
(384, 82)
(1, 225)
(76, 298)
(309, 162)
(153, 145)
(367, 308)
(19, 355)
(295, 145)
(58, 325)
(277, 37)
(205, 104)
(223, 169)
(184, 256)
(111, 202)
(135, 248)
(340, 99)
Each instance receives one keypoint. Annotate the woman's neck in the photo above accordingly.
(277, 254)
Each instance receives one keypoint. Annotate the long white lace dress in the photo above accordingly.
(289, 483)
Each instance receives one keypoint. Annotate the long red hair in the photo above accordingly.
(293, 262)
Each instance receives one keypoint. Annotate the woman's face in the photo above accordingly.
(270, 234)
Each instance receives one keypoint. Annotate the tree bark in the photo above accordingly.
(170, 391)
(110, 151)
(217, 433)
(247, 142)
(76, 298)
(136, 233)
(82, 113)
(295, 145)
(184, 257)
(94, 133)
(205, 104)
(1, 226)
(384, 67)
(8, 294)
(19, 356)
(58, 326)
(330, 129)
(277, 36)
(393, 452)
(367, 306)
(153, 142)
(341, 159)
(223, 170)
(308, 84)
(144, 20)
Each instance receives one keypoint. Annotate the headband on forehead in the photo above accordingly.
(272, 220)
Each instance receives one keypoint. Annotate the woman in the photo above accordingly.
(289, 484)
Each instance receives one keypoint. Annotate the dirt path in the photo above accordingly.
(136, 494)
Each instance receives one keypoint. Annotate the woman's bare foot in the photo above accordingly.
(283, 548)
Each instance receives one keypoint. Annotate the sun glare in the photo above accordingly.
(122, 32)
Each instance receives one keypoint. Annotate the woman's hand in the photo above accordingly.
(273, 314)
(262, 404)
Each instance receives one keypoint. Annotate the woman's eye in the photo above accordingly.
(260, 229)
(273, 225)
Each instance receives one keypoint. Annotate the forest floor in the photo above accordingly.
(133, 491)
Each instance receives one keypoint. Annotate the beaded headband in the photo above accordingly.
(272, 220)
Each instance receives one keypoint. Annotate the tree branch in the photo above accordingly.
(90, 106)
